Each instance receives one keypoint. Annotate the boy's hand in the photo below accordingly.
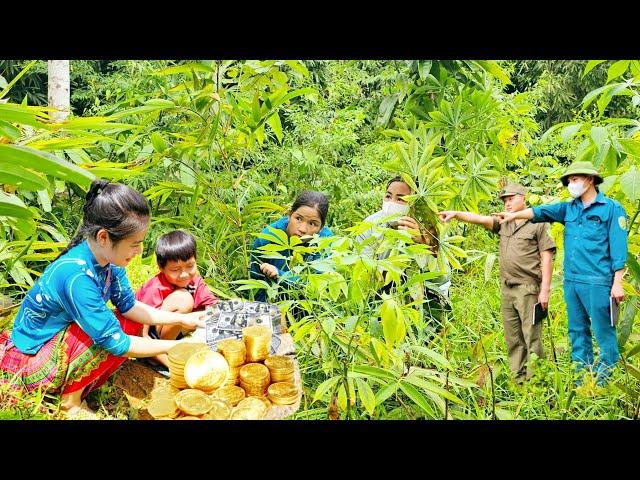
(193, 320)
(269, 270)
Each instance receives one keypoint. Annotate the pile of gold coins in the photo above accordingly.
(240, 381)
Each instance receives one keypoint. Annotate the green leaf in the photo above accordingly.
(45, 201)
(591, 96)
(494, 69)
(275, 235)
(591, 64)
(9, 131)
(634, 266)
(617, 69)
(159, 145)
(434, 356)
(488, 265)
(630, 146)
(393, 326)
(374, 372)
(430, 386)
(627, 317)
(250, 284)
(342, 398)
(325, 387)
(413, 393)
(21, 177)
(424, 67)
(599, 135)
(17, 77)
(160, 103)
(186, 68)
(567, 132)
(276, 126)
(12, 206)
(45, 162)
(607, 183)
(298, 66)
(329, 326)
(386, 392)
(630, 184)
(385, 111)
(12, 113)
(366, 395)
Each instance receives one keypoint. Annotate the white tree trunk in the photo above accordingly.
(59, 87)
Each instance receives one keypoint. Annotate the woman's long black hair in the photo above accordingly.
(119, 209)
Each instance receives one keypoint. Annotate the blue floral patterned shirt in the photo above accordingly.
(75, 288)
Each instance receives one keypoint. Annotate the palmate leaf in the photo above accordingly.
(481, 180)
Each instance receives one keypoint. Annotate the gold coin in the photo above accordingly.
(230, 394)
(283, 402)
(256, 331)
(165, 390)
(254, 373)
(284, 378)
(219, 410)
(180, 353)
(233, 350)
(249, 408)
(254, 391)
(264, 400)
(283, 393)
(279, 363)
(193, 402)
(206, 370)
(162, 407)
(246, 414)
(251, 402)
(188, 417)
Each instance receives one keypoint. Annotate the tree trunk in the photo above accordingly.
(59, 87)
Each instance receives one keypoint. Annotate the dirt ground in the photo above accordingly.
(132, 384)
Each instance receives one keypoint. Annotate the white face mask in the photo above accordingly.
(576, 189)
(393, 208)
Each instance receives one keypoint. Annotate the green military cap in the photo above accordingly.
(581, 168)
(513, 189)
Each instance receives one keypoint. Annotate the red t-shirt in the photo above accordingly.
(156, 289)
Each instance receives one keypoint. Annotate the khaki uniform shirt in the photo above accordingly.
(520, 248)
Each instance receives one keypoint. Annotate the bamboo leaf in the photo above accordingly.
(45, 162)
(366, 395)
(325, 387)
(417, 397)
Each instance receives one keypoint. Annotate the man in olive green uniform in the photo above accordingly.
(526, 265)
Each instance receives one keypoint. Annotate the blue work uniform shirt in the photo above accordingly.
(595, 237)
(75, 288)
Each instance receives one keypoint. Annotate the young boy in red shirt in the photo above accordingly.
(177, 288)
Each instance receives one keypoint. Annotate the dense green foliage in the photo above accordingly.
(221, 148)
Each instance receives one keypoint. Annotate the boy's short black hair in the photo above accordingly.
(176, 245)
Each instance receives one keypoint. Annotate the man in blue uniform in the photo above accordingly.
(595, 252)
